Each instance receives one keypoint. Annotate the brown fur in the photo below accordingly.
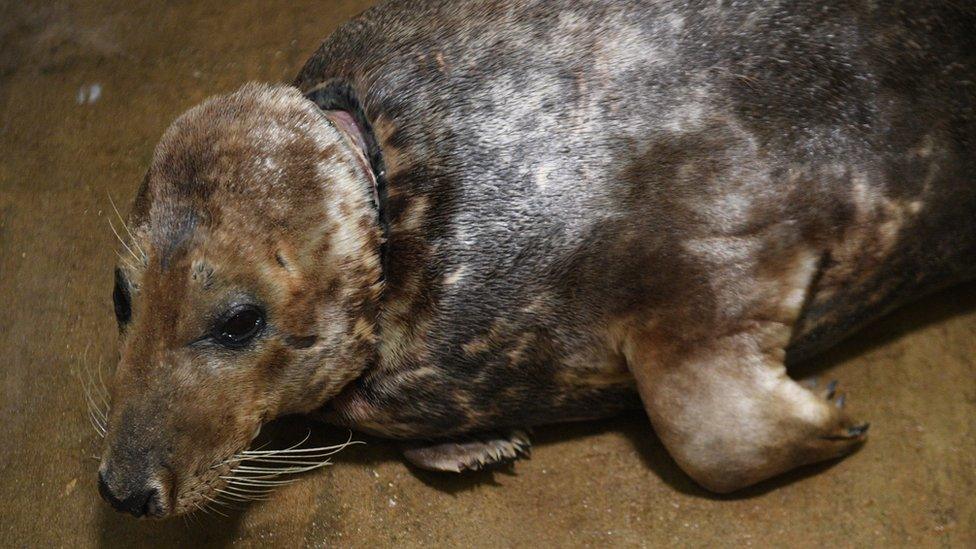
(195, 219)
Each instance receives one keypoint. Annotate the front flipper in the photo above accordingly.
(471, 453)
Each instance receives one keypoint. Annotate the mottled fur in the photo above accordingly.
(554, 170)
(579, 199)
(233, 209)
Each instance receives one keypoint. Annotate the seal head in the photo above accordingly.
(246, 290)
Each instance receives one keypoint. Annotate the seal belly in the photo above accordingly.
(519, 372)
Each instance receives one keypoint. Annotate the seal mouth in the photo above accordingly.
(245, 476)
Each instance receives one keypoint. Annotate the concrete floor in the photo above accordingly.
(86, 88)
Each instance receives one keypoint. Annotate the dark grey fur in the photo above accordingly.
(567, 150)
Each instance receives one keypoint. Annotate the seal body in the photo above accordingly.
(557, 172)
(467, 218)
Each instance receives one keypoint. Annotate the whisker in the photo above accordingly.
(126, 227)
(241, 490)
(102, 389)
(250, 476)
(95, 393)
(308, 434)
(250, 480)
(286, 461)
(124, 245)
(95, 424)
(323, 452)
(216, 500)
(235, 499)
(99, 427)
(300, 452)
(88, 379)
(91, 401)
(125, 261)
(242, 456)
(256, 482)
(244, 499)
(198, 506)
(98, 417)
(222, 503)
(83, 372)
(209, 508)
(263, 477)
(95, 413)
(202, 505)
(274, 472)
(279, 470)
(265, 445)
(99, 423)
(228, 505)
(307, 453)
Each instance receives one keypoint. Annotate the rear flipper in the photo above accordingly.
(728, 413)
(471, 453)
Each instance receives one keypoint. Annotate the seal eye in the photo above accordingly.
(121, 299)
(239, 326)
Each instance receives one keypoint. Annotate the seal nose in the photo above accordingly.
(139, 502)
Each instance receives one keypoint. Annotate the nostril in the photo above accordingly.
(139, 503)
(151, 506)
(106, 492)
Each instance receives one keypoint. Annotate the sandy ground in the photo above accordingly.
(86, 88)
